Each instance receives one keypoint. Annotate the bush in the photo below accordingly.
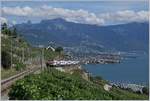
(56, 85)
(14, 32)
(20, 66)
(6, 60)
(59, 49)
(98, 78)
(145, 90)
(3, 26)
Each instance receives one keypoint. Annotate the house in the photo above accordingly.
(50, 48)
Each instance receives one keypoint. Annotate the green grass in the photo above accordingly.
(18, 46)
(52, 55)
(5, 73)
(14, 47)
(126, 95)
(56, 85)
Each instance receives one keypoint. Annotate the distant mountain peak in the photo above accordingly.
(59, 19)
(145, 22)
(56, 20)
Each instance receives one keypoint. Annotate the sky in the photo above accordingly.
(97, 12)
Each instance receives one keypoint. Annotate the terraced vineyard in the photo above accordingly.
(18, 55)
(56, 85)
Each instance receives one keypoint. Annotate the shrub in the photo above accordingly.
(59, 49)
(145, 90)
(20, 66)
(56, 85)
(98, 78)
(6, 60)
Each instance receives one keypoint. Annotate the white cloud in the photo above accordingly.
(18, 11)
(126, 16)
(3, 20)
(78, 16)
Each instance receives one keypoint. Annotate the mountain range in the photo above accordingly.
(88, 38)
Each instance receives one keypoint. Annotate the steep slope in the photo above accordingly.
(56, 85)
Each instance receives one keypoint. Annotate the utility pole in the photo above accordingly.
(23, 55)
(28, 56)
(42, 55)
(41, 59)
(11, 51)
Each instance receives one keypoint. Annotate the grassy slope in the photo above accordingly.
(53, 84)
(13, 44)
(17, 45)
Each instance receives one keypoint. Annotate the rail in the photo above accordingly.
(5, 84)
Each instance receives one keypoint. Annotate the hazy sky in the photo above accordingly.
(98, 12)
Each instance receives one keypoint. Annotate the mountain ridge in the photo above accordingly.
(123, 37)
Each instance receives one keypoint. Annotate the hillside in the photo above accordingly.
(56, 85)
(18, 55)
(50, 84)
(93, 38)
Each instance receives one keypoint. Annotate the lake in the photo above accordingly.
(131, 70)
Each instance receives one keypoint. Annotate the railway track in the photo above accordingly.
(6, 84)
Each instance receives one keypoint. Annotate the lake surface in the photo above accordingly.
(131, 70)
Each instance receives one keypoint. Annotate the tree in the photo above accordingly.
(98, 78)
(59, 49)
(5, 29)
(6, 60)
(20, 66)
(4, 26)
(14, 32)
(145, 90)
(9, 32)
